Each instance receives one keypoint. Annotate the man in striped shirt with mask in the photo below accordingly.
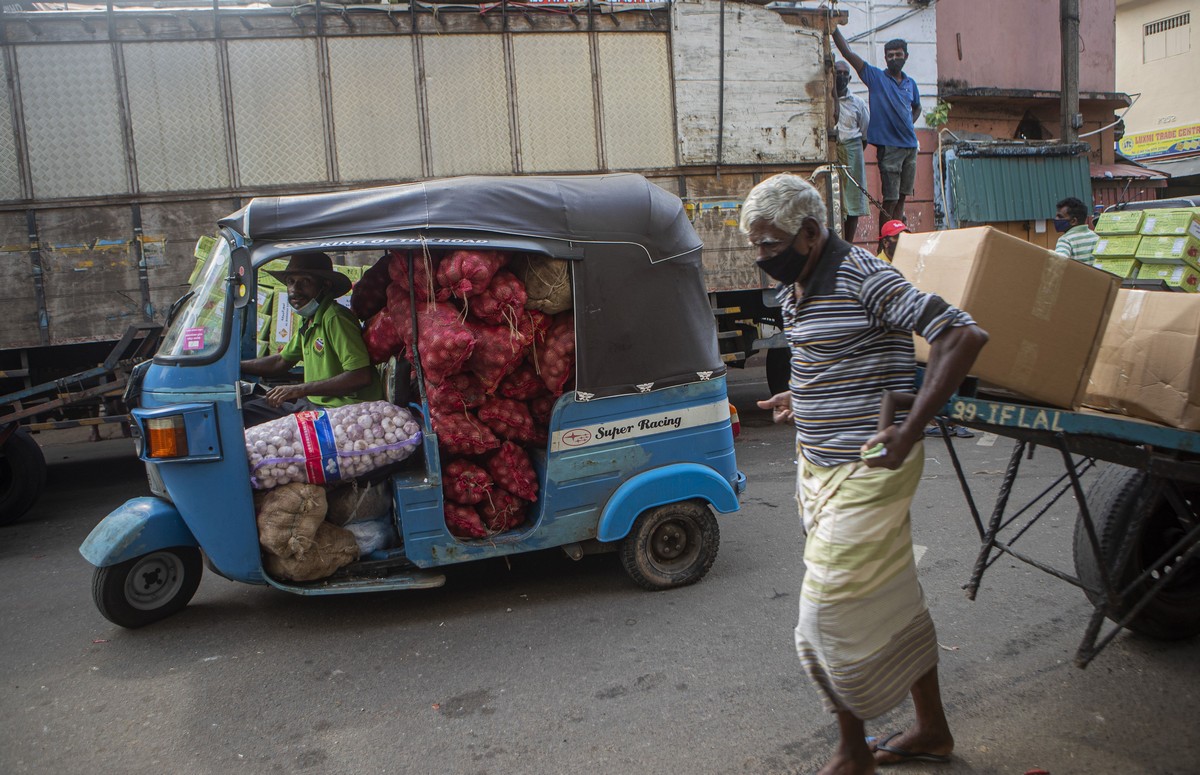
(864, 636)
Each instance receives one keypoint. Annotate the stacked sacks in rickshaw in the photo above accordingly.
(496, 340)
(294, 460)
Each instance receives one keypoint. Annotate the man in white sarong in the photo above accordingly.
(865, 636)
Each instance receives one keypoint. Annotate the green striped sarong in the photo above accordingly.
(864, 635)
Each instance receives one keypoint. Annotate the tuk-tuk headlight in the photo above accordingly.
(166, 437)
(178, 433)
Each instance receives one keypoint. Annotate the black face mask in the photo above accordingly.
(786, 265)
(843, 82)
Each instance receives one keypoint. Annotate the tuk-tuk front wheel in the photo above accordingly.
(145, 589)
(671, 545)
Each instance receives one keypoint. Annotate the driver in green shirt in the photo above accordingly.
(337, 369)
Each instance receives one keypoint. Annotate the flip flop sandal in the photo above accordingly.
(909, 756)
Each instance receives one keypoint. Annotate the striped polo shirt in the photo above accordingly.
(1078, 243)
(851, 339)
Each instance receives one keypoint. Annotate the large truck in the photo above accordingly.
(130, 130)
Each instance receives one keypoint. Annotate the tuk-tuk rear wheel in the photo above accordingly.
(671, 546)
(145, 589)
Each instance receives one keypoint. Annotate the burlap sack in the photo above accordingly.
(288, 517)
(357, 502)
(331, 548)
(547, 282)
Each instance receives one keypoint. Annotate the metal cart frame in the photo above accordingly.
(1166, 455)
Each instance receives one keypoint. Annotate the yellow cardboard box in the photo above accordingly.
(1120, 222)
(1177, 275)
(1044, 313)
(1120, 246)
(1121, 267)
(1172, 222)
(1183, 248)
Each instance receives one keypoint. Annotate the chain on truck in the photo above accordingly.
(130, 130)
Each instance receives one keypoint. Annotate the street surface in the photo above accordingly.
(544, 666)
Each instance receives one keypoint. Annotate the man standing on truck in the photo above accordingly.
(865, 636)
(853, 118)
(337, 369)
(895, 106)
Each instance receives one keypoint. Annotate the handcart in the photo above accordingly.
(88, 398)
(1137, 535)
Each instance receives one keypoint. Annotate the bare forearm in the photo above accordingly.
(847, 53)
(950, 360)
(267, 366)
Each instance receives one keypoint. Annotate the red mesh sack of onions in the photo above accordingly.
(502, 301)
(463, 434)
(467, 272)
(370, 292)
(457, 393)
(465, 483)
(330, 445)
(422, 285)
(502, 511)
(558, 356)
(541, 408)
(522, 384)
(508, 419)
(383, 336)
(445, 342)
(498, 350)
(512, 470)
(463, 521)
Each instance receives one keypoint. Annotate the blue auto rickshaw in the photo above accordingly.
(639, 456)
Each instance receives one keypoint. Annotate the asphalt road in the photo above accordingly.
(543, 665)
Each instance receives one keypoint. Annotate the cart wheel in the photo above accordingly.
(22, 476)
(671, 546)
(145, 589)
(779, 369)
(1114, 499)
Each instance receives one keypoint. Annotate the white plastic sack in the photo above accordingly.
(373, 535)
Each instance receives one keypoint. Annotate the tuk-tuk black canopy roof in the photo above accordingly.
(642, 316)
(619, 207)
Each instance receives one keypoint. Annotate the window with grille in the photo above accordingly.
(1166, 37)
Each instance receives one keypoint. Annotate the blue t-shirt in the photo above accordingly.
(891, 108)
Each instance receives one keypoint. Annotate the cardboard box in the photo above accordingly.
(1172, 222)
(1044, 313)
(1122, 222)
(1185, 248)
(1123, 246)
(1182, 276)
(263, 317)
(284, 320)
(1121, 267)
(1149, 361)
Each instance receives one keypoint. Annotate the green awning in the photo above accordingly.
(989, 189)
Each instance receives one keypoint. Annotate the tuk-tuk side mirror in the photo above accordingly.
(239, 265)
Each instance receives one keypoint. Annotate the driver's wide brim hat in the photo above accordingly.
(318, 265)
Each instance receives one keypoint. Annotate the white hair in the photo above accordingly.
(784, 201)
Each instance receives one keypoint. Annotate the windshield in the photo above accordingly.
(199, 321)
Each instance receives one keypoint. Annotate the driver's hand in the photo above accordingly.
(281, 393)
(780, 405)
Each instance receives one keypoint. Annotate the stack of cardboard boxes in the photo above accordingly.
(1151, 245)
(1062, 333)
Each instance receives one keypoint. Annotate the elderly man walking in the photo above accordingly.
(865, 636)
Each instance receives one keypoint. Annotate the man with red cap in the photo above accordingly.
(889, 236)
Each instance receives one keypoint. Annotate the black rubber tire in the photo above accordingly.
(1114, 498)
(779, 369)
(671, 546)
(145, 589)
(22, 476)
